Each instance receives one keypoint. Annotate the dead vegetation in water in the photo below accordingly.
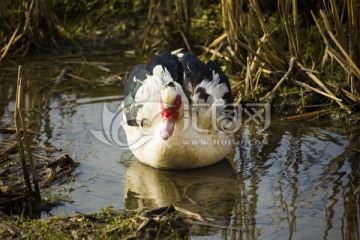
(15, 198)
(23, 171)
(163, 223)
(14, 190)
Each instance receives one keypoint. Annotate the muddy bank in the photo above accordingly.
(164, 223)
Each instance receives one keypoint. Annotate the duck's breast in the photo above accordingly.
(186, 149)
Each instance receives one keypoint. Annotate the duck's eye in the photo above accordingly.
(144, 123)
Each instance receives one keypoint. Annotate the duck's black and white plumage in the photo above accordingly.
(176, 111)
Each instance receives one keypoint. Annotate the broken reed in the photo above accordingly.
(251, 45)
(33, 194)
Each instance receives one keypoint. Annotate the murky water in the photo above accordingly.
(291, 181)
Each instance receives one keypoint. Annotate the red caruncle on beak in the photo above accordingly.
(169, 117)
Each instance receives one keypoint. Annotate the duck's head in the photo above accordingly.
(171, 102)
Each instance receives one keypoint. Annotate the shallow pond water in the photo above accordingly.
(291, 180)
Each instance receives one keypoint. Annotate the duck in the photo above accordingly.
(178, 112)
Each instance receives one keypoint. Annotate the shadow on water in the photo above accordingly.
(293, 180)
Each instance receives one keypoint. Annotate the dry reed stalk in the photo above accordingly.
(229, 22)
(337, 22)
(234, 25)
(217, 40)
(308, 115)
(190, 214)
(270, 95)
(272, 43)
(257, 54)
(233, 55)
(255, 5)
(62, 75)
(348, 94)
(214, 52)
(18, 134)
(270, 59)
(296, 26)
(276, 61)
(353, 97)
(35, 201)
(310, 74)
(248, 81)
(348, 54)
(291, 28)
(353, 67)
(236, 88)
(337, 56)
(185, 41)
(257, 77)
(77, 77)
(307, 86)
(322, 85)
(6, 49)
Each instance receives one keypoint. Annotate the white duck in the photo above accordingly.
(178, 112)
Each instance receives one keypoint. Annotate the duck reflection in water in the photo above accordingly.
(210, 192)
